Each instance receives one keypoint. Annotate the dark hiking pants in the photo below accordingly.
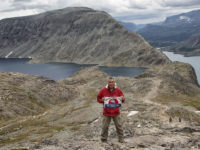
(105, 125)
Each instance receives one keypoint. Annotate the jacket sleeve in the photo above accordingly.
(100, 96)
(121, 94)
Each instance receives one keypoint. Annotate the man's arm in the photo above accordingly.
(122, 96)
(100, 96)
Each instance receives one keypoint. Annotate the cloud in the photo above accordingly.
(180, 3)
(30, 4)
(14, 8)
(138, 11)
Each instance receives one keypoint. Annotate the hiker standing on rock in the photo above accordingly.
(111, 97)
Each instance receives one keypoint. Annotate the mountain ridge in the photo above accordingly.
(175, 29)
(79, 35)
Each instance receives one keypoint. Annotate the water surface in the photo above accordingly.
(57, 71)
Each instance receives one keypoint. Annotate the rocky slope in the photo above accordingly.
(159, 93)
(175, 29)
(189, 47)
(79, 35)
(24, 95)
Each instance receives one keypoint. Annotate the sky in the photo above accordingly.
(135, 11)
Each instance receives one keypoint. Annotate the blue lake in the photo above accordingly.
(194, 61)
(57, 71)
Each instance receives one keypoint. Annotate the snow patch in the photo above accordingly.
(198, 112)
(96, 120)
(131, 113)
(185, 18)
(8, 54)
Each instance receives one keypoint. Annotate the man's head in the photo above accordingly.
(111, 83)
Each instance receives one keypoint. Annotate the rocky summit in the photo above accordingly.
(79, 35)
(161, 111)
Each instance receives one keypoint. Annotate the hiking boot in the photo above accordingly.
(121, 141)
(104, 140)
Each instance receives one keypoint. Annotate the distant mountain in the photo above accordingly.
(189, 47)
(129, 26)
(140, 26)
(175, 29)
(133, 27)
(78, 35)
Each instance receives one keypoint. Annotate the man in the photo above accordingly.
(109, 97)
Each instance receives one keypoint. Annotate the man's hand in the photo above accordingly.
(103, 99)
(122, 98)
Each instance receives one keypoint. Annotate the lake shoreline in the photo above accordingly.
(194, 61)
(60, 70)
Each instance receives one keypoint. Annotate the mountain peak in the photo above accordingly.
(175, 29)
(78, 35)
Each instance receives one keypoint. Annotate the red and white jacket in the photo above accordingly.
(106, 93)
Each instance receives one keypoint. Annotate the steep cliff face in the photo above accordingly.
(79, 35)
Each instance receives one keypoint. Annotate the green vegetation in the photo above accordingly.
(185, 101)
(19, 149)
(17, 89)
(34, 100)
(14, 139)
(75, 128)
(180, 111)
(89, 95)
(29, 127)
(58, 128)
(183, 113)
(195, 104)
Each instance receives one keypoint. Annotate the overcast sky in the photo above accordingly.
(137, 11)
